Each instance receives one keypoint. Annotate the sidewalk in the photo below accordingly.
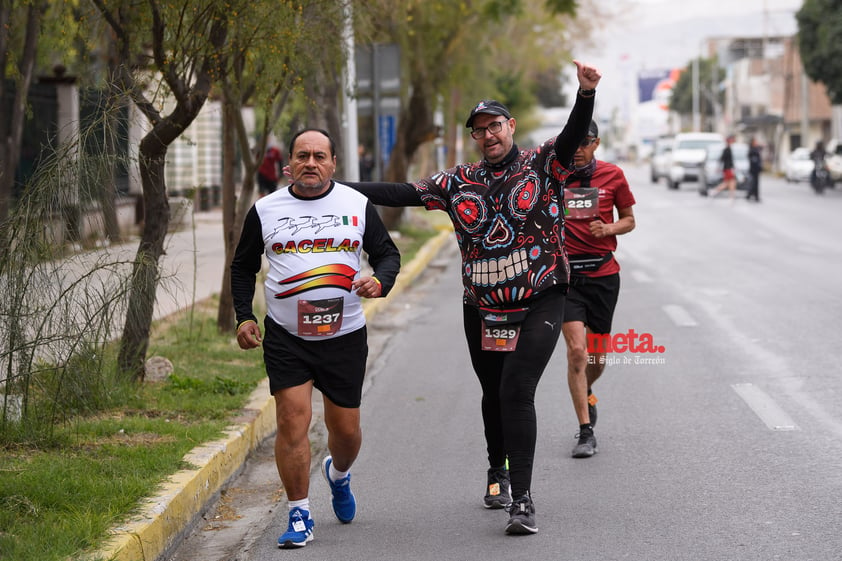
(192, 271)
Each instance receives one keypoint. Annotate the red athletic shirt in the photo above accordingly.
(271, 159)
(614, 192)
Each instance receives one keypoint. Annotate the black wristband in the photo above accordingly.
(587, 93)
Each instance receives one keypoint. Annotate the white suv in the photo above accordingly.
(689, 150)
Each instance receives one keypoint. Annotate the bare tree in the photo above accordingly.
(185, 43)
(273, 54)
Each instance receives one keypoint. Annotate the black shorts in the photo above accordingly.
(336, 365)
(266, 185)
(592, 300)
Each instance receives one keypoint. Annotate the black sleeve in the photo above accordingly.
(388, 194)
(246, 265)
(575, 130)
(383, 255)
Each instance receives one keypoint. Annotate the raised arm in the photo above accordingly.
(576, 127)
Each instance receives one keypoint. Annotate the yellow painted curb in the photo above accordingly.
(165, 516)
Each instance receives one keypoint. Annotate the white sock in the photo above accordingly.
(335, 474)
(303, 504)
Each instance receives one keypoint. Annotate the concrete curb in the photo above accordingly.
(165, 517)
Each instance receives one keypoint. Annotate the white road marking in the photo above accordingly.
(679, 315)
(765, 407)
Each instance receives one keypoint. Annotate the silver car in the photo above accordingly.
(659, 165)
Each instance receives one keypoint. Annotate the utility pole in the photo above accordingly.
(375, 113)
(696, 115)
(351, 160)
(805, 108)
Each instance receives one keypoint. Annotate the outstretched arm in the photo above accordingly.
(387, 194)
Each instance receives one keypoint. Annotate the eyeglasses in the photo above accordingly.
(493, 128)
(587, 141)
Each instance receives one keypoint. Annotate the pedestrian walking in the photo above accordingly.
(755, 167)
(313, 234)
(507, 214)
(729, 177)
(269, 171)
(591, 194)
(820, 176)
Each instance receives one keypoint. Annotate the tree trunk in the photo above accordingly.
(145, 273)
(225, 316)
(11, 127)
(451, 134)
(108, 183)
(114, 103)
(415, 127)
(234, 210)
(190, 96)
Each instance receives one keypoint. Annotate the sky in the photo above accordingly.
(659, 34)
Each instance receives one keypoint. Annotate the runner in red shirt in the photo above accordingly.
(269, 171)
(590, 231)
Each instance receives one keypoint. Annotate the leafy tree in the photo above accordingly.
(819, 32)
(710, 94)
(465, 51)
(272, 49)
(180, 42)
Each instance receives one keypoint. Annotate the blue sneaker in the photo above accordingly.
(344, 503)
(299, 531)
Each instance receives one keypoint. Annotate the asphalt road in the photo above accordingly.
(726, 446)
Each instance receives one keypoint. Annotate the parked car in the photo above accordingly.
(660, 160)
(689, 152)
(712, 170)
(798, 165)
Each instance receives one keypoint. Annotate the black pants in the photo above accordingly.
(753, 186)
(509, 381)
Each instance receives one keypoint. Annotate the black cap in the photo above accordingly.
(593, 130)
(489, 106)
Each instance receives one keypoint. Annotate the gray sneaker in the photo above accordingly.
(498, 492)
(586, 447)
(522, 516)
